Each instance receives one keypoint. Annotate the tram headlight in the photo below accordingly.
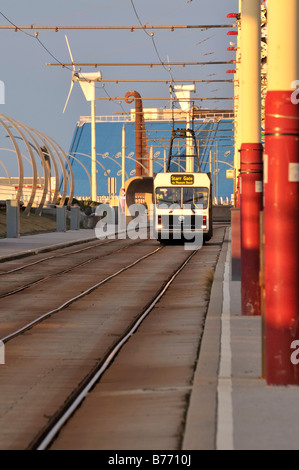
(159, 224)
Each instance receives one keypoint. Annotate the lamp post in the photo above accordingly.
(123, 157)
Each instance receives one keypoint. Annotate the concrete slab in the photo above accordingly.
(31, 244)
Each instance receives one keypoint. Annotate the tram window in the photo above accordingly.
(168, 196)
(196, 197)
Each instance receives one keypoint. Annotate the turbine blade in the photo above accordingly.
(67, 100)
(70, 52)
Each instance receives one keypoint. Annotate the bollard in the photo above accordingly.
(12, 219)
(61, 219)
(236, 245)
(2, 353)
(251, 199)
(75, 218)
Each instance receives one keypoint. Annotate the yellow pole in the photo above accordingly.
(283, 64)
(237, 104)
(250, 72)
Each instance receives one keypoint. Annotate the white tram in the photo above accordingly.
(182, 206)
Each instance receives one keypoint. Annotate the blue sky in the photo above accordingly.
(35, 93)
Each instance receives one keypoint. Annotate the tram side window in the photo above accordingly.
(196, 197)
(168, 196)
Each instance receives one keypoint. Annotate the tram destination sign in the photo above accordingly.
(182, 179)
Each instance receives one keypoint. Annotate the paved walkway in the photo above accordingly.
(231, 405)
(32, 244)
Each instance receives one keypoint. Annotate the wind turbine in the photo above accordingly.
(87, 83)
(183, 94)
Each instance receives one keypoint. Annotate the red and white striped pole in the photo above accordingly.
(281, 184)
(251, 173)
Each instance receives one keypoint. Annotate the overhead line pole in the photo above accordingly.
(237, 108)
(117, 98)
(164, 81)
(128, 28)
(135, 64)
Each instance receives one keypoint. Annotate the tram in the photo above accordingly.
(182, 206)
(182, 199)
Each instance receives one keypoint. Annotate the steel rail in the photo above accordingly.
(74, 299)
(64, 271)
(61, 255)
(46, 278)
(45, 439)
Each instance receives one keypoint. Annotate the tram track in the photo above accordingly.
(77, 297)
(58, 277)
(107, 315)
(92, 244)
(58, 273)
(56, 424)
(48, 258)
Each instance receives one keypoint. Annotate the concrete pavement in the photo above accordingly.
(32, 244)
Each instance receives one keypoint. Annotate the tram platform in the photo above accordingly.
(231, 406)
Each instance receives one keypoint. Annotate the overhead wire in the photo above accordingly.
(35, 36)
(151, 36)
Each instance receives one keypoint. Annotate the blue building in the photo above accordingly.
(214, 132)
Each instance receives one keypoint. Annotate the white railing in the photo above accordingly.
(204, 115)
(120, 118)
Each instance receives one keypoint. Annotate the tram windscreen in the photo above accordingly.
(194, 197)
(168, 196)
